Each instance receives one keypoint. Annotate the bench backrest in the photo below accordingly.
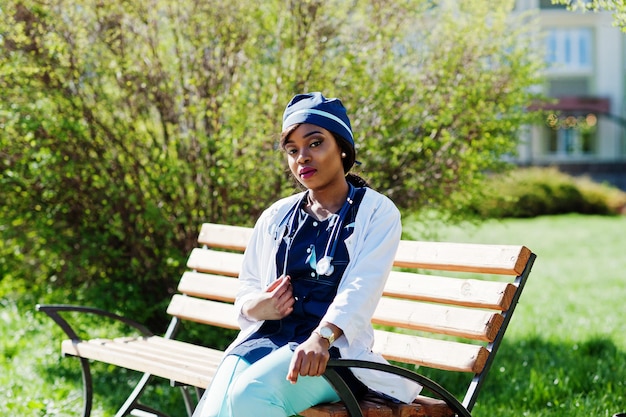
(441, 320)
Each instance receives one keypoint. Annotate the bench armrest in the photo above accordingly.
(352, 404)
(53, 310)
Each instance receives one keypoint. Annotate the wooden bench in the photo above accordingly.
(445, 306)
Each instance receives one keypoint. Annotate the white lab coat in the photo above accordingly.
(372, 247)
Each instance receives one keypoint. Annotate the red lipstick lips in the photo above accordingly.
(306, 172)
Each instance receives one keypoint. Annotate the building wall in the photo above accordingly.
(604, 79)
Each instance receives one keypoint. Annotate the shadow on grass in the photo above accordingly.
(534, 376)
(112, 385)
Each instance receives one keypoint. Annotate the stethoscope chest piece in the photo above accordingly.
(325, 266)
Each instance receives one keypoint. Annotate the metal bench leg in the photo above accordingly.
(132, 400)
(87, 387)
(340, 386)
(147, 411)
(190, 405)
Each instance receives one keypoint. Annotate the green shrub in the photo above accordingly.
(126, 124)
(599, 195)
(531, 192)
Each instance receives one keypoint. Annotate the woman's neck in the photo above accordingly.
(322, 204)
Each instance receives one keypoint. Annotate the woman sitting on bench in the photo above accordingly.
(311, 278)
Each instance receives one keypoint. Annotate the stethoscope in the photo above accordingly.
(324, 266)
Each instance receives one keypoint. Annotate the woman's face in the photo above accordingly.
(314, 157)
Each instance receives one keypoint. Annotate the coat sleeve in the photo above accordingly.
(250, 279)
(371, 259)
(258, 268)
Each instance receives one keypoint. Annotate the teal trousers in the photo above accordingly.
(240, 389)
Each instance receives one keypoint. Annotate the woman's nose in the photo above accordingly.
(303, 156)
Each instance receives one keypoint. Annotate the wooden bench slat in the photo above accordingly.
(448, 320)
(215, 262)
(432, 353)
(456, 291)
(440, 319)
(110, 352)
(370, 409)
(224, 236)
(210, 286)
(463, 257)
(198, 310)
(173, 353)
(180, 346)
(422, 406)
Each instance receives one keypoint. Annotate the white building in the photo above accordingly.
(586, 55)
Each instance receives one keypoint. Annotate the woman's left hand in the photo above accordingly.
(309, 358)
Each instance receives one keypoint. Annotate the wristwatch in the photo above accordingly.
(327, 333)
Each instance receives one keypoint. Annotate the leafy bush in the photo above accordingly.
(126, 124)
(531, 192)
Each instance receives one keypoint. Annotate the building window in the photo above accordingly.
(567, 87)
(569, 49)
(547, 4)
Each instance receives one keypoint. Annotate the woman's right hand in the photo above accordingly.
(273, 304)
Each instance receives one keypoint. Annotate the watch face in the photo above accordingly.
(326, 332)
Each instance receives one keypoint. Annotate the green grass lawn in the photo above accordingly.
(564, 353)
(565, 349)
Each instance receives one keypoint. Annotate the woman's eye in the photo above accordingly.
(316, 143)
(290, 151)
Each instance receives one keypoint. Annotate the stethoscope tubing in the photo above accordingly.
(324, 266)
